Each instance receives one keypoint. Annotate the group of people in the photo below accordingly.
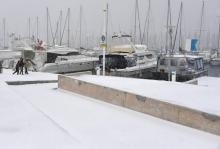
(20, 66)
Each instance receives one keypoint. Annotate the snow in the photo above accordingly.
(210, 82)
(24, 127)
(99, 125)
(196, 97)
(32, 76)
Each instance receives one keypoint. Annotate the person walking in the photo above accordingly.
(21, 66)
(26, 66)
(17, 68)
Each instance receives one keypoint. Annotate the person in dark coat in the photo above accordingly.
(21, 66)
(17, 68)
(26, 66)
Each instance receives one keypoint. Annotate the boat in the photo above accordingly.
(126, 59)
(186, 67)
(64, 60)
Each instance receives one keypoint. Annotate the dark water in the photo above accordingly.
(213, 71)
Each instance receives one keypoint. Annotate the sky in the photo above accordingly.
(121, 16)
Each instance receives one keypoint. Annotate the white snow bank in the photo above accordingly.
(100, 125)
(23, 127)
(196, 97)
(209, 82)
(32, 76)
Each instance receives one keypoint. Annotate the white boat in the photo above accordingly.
(65, 60)
(186, 67)
(128, 60)
(215, 60)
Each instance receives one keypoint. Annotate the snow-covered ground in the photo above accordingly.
(32, 76)
(42, 116)
(99, 125)
(210, 82)
(24, 127)
(202, 98)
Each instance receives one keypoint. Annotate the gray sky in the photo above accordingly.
(121, 13)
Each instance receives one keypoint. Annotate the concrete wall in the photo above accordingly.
(174, 113)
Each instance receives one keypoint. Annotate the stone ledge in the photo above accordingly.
(160, 109)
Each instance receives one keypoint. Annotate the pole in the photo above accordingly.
(104, 36)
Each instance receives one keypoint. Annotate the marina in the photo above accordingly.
(110, 74)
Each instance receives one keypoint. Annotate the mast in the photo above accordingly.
(68, 34)
(4, 45)
(178, 24)
(29, 29)
(135, 20)
(167, 33)
(80, 27)
(61, 19)
(37, 27)
(47, 12)
(201, 23)
(146, 24)
(181, 20)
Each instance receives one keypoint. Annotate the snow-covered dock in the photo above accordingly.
(190, 105)
(23, 126)
(44, 116)
(97, 125)
(31, 78)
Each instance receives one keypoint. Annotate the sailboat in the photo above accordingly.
(216, 60)
(184, 67)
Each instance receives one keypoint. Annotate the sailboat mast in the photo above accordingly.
(4, 45)
(47, 12)
(29, 29)
(167, 33)
(80, 27)
(181, 19)
(68, 38)
(61, 19)
(135, 20)
(37, 27)
(218, 52)
(201, 23)
(148, 22)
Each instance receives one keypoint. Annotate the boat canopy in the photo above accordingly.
(122, 49)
